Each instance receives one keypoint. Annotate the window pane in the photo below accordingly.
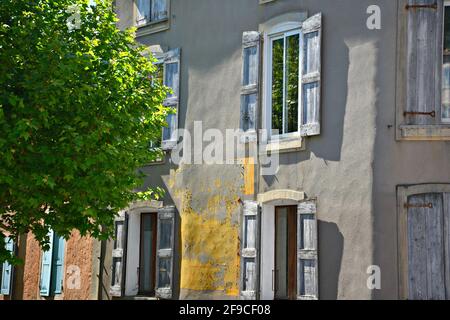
(292, 78)
(164, 273)
(171, 79)
(250, 65)
(277, 84)
(446, 68)
(165, 234)
(248, 112)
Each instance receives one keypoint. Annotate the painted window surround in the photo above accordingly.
(153, 26)
(133, 238)
(403, 192)
(282, 23)
(404, 132)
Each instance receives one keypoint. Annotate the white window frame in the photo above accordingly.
(281, 30)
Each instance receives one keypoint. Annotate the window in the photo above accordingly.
(284, 80)
(169, 74)
(150, 229)
(6, 270)
(52, 265)
(423, 222)
(423, 112)
(149, 11)
(284, 241)
(292, 78)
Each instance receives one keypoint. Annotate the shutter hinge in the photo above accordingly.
(419, 205)
(417, 113)
(421, 6)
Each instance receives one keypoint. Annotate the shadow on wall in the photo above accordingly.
(331, 245)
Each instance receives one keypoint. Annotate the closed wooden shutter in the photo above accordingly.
(165, 248)
(424, 45)
(7, 270)
(250, 250)
(250, 82)
(119, 255)
(307, 251)
(46, 268)
(311, 76)
(172, 80)
(426, 247)
(143, 12)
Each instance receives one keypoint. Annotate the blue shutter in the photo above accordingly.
(57, 264)
(46, 268)
(7, 270)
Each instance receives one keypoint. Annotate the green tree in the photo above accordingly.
(77, 112)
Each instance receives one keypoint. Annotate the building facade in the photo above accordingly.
(342, 186)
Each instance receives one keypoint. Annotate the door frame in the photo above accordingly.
(403, 192)
(154, 219)
(291, 256)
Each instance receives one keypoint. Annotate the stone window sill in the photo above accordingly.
(152, 27)
(425, 132)
(283, 146)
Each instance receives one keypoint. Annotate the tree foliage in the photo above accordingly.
(77, 111)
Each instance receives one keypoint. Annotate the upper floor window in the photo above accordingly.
(283, 80)
(52, 265)
(149, 11)
(423, 111)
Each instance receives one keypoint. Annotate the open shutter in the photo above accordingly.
(58, 264)
(311, 74)
(46, 268)
(165, 251)
(250, 83)
(143, 12)
(119, 255)
(307, 264)
(250, 251)
(423, 61)
(159, 10)
(7, 270)
(171, 80)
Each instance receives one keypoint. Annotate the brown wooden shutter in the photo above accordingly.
(119, 255)
(307, 251)
(424, 45)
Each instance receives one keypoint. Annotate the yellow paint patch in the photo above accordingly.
(210, 245)
(249, 176)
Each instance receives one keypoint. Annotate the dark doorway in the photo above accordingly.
(147, 254)
(285, 273)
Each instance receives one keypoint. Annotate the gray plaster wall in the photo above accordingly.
(353, 167)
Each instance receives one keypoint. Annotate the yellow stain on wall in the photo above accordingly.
(249, 176)
(210, 245)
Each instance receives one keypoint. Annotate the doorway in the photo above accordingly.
(285, 267)
(147, 253)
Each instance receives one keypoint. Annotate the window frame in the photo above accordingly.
(280, 31)
(151, 26)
